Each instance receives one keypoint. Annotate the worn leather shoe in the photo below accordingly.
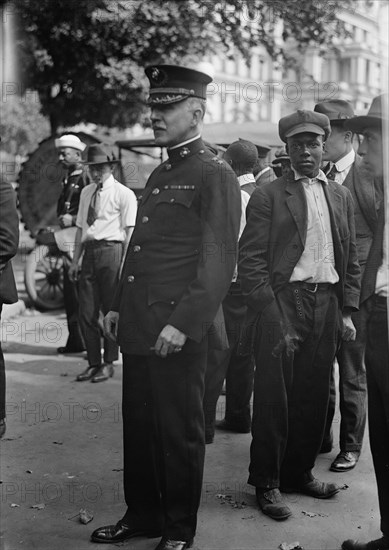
(110, 534)
(272, 504)
(226, 426)
(346, 460)
(103, 373)
(169, 544)
(87, 374)
(314, 488)
(378, 544)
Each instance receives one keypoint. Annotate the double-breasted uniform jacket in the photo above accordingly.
(72, 186)
(361, 186)
(274, 237)
(9, 240)
(182, 253)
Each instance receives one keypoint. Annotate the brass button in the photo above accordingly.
(140, 197)
(173, 200)
(130, 279)
(145, 219)
(168, 167)
(136, 248)
(201, 151)
(155, 191)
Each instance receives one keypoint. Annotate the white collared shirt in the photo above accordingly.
(343, 166)
(117, 211)
(382, 280)
(245, 197)
(317, 262)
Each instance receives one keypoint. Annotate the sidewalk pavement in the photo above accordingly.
(62, 452)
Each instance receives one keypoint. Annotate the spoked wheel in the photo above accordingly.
(43, 278)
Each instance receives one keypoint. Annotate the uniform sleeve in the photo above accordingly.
(9, 224)
(220, 219)
(128, 207)
(253, 266)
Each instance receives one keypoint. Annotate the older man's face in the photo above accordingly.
(171, 123)
(372, 152)
(305, 152)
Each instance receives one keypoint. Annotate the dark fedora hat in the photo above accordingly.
(337, 110)
(374, 118)
(99, 153)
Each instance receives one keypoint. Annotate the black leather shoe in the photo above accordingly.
(378, 544)
(229, 427)
(64, 349)
(87, 374)
(103, 373)
(111, 534)
(314, 488)
(169, 544)
(345, 461)
(272, 504)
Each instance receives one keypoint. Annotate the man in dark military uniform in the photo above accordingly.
(167, 312)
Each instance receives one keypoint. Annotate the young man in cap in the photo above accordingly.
(69, 148)
(345, 169)
(375, 293)
(104, 221)
(298, 269)
(238, 370)
(167, 313)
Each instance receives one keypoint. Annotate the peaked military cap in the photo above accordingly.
(173, 83)
(377, 113)
(304, 121)
(337, 110)
(99, 153)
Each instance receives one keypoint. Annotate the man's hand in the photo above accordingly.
(66, 220)
(111, 322)
(73, 272)
(349, 332)
(170, 340)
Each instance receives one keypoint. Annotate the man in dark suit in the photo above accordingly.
(263, 171)
(166, 310)
(9, 241)
(345, 169)
(298, 269)
(375, 293)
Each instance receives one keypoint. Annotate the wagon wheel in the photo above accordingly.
(43, 278)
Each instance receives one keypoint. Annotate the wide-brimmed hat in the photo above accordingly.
(100, 154)
(304, 121)
(376, 114)
(174, 83)
(70, 140)
(337, 110)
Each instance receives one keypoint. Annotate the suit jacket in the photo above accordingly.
(182, 253)
(274, 237)
(9, 241)
(362, 188)
(266, 177)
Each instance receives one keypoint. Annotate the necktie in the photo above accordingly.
(94, 206)
(331, 175)
(374, 258)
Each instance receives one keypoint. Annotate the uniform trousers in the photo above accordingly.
(291, 391)
(352, 389)
(377, 370)
(163, 432)
(70, 290)
(238, 370)
(98, 281)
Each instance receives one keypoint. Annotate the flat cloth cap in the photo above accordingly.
(70, 140)
(337, 110)
(173, 83)
(304, 121)
(374, 118)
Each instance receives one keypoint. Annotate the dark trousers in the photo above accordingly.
(377, 369)
(98, 280)
(2, 378)
(164, 447)
(291, 392)
(238, 370)
(70, 291)
(352, 389)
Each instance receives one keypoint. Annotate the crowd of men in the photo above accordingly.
(224, 271)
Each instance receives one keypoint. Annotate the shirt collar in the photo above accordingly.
(246, 178)
(346, 161)
(320, 177)
(108, 182)
(184, 142)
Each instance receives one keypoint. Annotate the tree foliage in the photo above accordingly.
(86, 57)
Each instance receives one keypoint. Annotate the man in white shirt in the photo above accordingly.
(105, 220)
(375, 291)
(345, 169)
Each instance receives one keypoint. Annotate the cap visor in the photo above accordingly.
(306, 127)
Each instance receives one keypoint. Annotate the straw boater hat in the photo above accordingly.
(374, 118)
(69, 140)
